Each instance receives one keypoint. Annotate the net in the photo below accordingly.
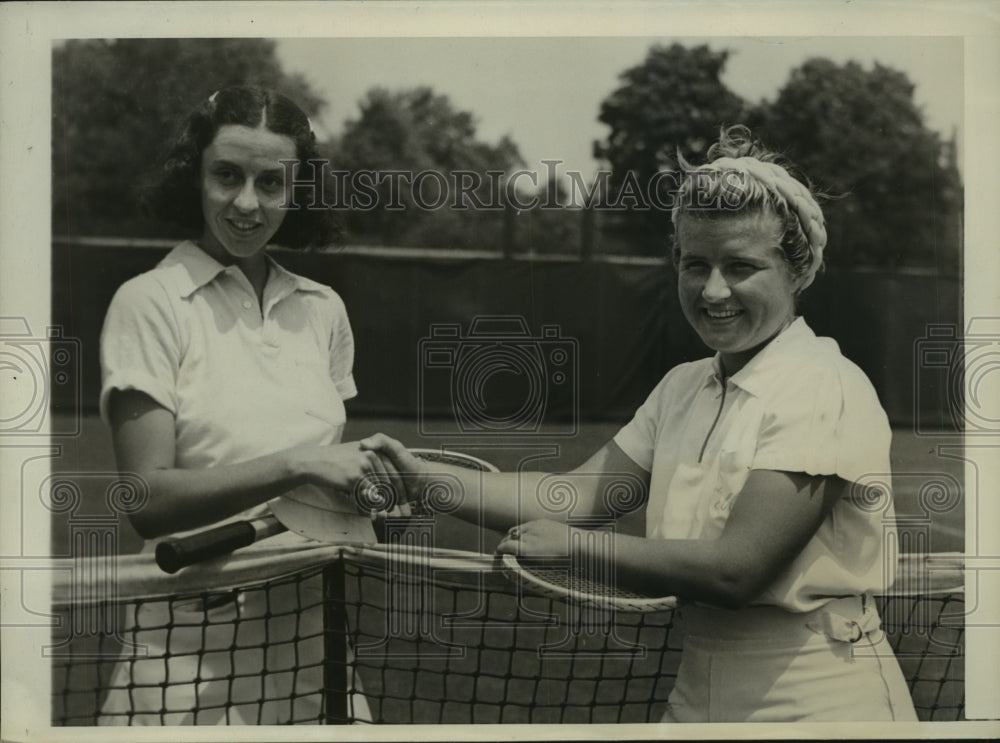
(290, 632)
(404, 635)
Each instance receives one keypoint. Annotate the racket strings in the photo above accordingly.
(576, 582)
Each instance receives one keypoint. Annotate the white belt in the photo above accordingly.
(845, 619)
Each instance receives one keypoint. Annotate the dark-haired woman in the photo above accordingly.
(223, 380)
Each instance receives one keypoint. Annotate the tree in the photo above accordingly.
(554, 227)
(418, 131)
(117, 104)
(675, 101)
(859, 133)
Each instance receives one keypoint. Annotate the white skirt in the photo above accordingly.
(765, 664)
(221, 671)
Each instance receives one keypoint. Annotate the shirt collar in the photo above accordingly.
(298, 283)
(200, 269)
(753, 376)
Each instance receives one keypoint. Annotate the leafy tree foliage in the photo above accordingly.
(418, 131)
(673, 102)
(553, 228)
(859, 133)
(117, 104)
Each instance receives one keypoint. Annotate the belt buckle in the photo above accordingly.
(840, 628)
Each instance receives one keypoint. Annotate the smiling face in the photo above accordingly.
(735, 288)
(242, 188)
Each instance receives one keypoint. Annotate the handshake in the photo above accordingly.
(378, 471)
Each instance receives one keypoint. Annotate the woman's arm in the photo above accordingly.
(180, 499)
(500, 500)
(773, 518)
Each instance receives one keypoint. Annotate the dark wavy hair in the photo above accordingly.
(175, 194)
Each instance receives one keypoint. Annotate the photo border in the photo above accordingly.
(26, 34)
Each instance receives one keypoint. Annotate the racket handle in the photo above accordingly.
(174, 554)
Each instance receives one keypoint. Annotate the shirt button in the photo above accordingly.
(247, 304)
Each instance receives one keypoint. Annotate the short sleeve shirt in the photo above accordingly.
(242, 379)
(797, 406)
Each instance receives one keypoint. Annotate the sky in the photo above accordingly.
(545, 92)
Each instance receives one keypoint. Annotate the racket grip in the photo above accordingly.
(174, 554)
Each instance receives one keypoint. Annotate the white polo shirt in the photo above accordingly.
(241, 381)
(797, 406)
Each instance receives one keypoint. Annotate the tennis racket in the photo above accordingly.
(541, 578)
(174, 554)
(308, 511)
(560, 581)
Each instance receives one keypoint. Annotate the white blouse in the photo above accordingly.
(797, 406)
(241, 381)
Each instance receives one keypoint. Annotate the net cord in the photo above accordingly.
(138, 576)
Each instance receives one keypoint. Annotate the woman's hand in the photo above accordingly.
(412, 474)
(183, 499)
(345, 467)
(539, 538)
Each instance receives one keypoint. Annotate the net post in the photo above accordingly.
(335, 670)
